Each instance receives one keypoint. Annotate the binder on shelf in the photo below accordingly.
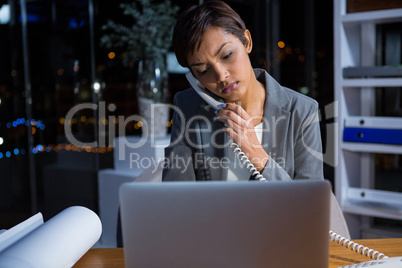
(373, 71)
(383, 130)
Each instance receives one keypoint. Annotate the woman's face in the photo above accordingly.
(222, 64)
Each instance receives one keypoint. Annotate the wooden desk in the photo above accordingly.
(338, 255)
(341, 256)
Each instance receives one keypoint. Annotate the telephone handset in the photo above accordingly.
(381, 259)
(204, 93)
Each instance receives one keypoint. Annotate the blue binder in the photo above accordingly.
(373, 135)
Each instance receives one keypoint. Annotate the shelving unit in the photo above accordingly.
(355, 46)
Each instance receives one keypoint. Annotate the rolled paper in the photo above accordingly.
(59, 242)
(20, 230)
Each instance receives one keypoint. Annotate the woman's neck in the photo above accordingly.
(253, 101)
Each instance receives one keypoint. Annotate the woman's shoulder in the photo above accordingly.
(188, 97)
(300, 105)
(284, 97)
(299, 99)
(188, 101)
(190, 92)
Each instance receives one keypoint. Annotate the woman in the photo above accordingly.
(275, 127)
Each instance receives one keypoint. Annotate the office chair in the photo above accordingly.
(337, 219)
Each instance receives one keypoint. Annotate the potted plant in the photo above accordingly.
(146, 39)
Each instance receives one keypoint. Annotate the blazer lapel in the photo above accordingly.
(276, 119)
(213, 142)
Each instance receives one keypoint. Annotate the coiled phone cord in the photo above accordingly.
(243, 157)
(356, 247)
(368, 252)
(332, 235)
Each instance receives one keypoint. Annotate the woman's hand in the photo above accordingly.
(239, 126)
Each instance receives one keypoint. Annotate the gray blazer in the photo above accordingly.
(291, 137)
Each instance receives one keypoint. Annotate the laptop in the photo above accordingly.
(225, 224)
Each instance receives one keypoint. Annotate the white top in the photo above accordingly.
(237, 170)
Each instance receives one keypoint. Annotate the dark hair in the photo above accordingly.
(193, 22)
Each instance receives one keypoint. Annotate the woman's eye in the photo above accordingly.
(228, 55)
(200, 73)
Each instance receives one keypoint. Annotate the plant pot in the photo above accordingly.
(152, 94)
(154, 116)
(152, 79)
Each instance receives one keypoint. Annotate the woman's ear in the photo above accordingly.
(249, 41)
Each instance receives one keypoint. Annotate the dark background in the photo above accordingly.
(59, 38)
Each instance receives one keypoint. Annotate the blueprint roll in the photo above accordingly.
(59, 242)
